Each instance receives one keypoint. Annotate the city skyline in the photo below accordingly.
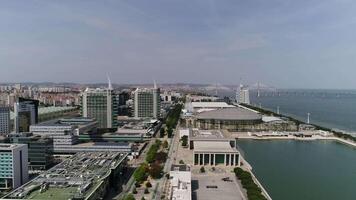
(285, 44)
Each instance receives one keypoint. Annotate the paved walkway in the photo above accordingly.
(225, 190)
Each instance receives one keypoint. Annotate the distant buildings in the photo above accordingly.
(13, 165)
(26, 114)
(100, 104)
(147, 103)
(4, 120)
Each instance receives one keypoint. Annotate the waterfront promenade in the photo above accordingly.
(292, 137)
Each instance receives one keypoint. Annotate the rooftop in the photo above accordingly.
(4, 146)
(77, 177)
(211, 105)
(47, 110)
(197, 134)
(214, 146)
(230, 114)
(271, 119)
(67, 122)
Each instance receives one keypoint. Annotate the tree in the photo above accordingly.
(129, 197)
(152, 151)
(140, 173)
(143, 198)
(161, 132)
(170, 133)
(202, 170)
(146, 191)
(184, 141)
(181, 162)
(165, 144)
(148, 184)
(156, 171)
(161, 157)
(134, 191)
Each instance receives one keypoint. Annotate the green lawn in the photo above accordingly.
(54, 193)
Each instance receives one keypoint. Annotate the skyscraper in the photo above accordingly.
(244, 95)
(100, 104)
(13, 165)
(26, 114)
(147, 103)
(4, 120)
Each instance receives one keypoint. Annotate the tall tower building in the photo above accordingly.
(4, 120)
(13, 165)
(147, 103)
(26, 114)
(100, 104)
(244, 95)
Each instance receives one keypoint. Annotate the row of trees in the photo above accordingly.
(254, 192)
(151, 154)
(154, 163)
(172, 119)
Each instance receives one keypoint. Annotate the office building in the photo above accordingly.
(100, 104)
(4, 120)
(13, 166)
(40, 149)
(244, 95)
(66, 132)
(26, 114)
(147, 103)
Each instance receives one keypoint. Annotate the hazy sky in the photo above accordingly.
(283, 43)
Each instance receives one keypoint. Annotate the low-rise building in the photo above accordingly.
(212, 147)
(180, 183)
(64, 132)
(83, 176)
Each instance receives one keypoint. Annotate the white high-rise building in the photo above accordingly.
(4, 120)
(243, 95)
(100, 104)
(147, 103)
(13, 165)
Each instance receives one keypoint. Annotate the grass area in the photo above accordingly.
(54, 193)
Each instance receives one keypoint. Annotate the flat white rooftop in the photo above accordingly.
(181, 188)
(211, 105)
(270, 119)
(214, 146)
(5, 146)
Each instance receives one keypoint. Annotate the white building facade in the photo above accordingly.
(13, 165)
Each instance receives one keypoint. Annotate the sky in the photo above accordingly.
(281, 43)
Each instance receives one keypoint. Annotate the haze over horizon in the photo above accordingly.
(282, 43)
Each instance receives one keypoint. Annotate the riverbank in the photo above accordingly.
(248, 167)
